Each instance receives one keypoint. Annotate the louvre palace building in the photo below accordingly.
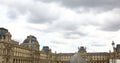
(29, 52)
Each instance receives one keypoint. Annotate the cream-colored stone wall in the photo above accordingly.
(1, 59)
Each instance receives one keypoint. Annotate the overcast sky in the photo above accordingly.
(64, 25)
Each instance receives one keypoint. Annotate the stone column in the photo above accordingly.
(20, 60)
(17, 61)
(14, 61)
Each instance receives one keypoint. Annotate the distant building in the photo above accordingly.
(118, 48)
(29, 52)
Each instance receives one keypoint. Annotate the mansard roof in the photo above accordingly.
(3, 31)
(31, 39)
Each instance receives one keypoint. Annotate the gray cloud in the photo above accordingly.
(37, 12)
(12, 14)
(88, 3)
(74, 35)
(58, 42)
(98, 44)
(65, 25)
(32, 28)
(68, 29)
(41, 18)
(111, 26)
(113, 22)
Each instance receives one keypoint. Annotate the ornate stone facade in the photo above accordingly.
(28, 52)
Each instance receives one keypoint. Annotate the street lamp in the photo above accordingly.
(113, 45)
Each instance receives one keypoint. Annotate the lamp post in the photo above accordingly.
(113, 45)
